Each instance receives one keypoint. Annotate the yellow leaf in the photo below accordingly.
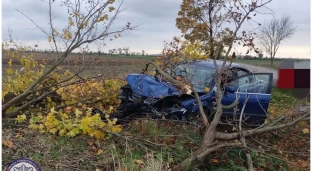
(34, 126)
(53, 130)
(67, 73)
(77, 112)
(52, 110)
(62, 132)
(100, 151)
(10, 62)
(9, 71)
(114, 121)
(138, 161)
(21, 118)
(73, 132)
(111, 108)
(65, 116)
(111, 8)
(237, 142)
(207, 89)
(305, 131)
(99, 134)
(116, 128)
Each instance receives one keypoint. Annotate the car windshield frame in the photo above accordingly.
(201, 76)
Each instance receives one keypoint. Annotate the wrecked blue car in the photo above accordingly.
(154, 96)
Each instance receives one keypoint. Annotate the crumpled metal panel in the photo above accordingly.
(150, 86)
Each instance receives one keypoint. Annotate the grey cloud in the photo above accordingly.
(21, 26)
(154, 8)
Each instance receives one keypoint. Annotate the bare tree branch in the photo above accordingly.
(273, 33)
(231, 136)
(75, 42)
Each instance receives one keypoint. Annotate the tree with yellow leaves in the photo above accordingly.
(83, 28)
(55, 100)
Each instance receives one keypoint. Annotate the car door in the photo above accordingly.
(257, 88)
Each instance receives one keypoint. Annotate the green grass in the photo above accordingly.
(263, 62)
(282, 100)
(283, 97)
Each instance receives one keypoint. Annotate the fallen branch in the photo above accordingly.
(167, 76)
(217, 147)
(243, 140)
(19, 109)
(231, 136)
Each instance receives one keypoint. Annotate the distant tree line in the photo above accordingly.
(119, 51)
(125, 51)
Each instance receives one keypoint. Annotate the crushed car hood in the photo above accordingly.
(149, 86)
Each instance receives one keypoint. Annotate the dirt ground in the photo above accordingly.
(93, 65)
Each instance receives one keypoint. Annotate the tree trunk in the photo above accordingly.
(198, 157)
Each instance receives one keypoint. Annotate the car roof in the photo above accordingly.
(210, 64)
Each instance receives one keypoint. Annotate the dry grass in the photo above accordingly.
(82, 153)
(51, 153)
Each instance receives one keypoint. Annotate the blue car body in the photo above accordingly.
(150, 94)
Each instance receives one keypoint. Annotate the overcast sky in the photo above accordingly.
(157, 24)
